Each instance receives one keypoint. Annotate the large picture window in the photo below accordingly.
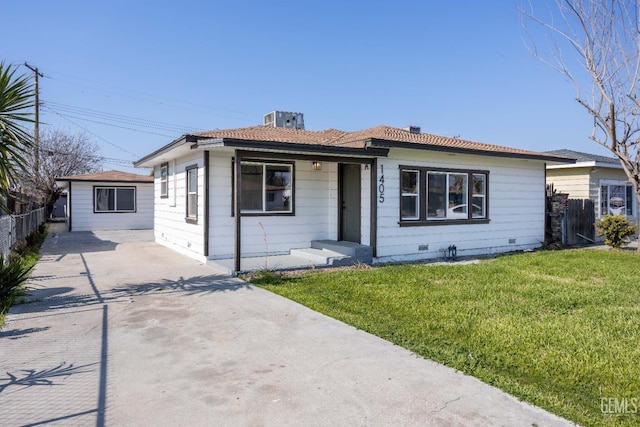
(192, 194)
(114, 199)
(616, 198)
(266, 187)
(432, 195)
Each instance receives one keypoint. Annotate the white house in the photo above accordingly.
(389, 194)
(110, 200)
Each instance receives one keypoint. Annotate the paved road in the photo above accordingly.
(124, 332)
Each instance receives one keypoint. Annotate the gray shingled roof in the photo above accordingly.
(584, 157)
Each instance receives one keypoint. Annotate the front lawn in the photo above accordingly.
(559, 329)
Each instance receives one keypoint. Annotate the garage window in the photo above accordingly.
(114, 199)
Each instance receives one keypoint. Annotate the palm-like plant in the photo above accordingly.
(16, 109)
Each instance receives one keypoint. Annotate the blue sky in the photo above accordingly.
(454, 68)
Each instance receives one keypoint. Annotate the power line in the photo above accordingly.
(121, 118)
(153, 99)
(67, 116)
(92, 133)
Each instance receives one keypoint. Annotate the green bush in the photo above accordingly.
(13, 274)
(615, 228)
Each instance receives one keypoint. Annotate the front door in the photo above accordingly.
(350, 203)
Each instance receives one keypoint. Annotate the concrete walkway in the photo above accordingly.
(123, 332)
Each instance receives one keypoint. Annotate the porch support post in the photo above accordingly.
(236, 210)
(373, 228)
(206, 203)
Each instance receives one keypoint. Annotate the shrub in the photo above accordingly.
(615, 228)
(13, 274)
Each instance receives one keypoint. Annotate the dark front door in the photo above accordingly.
(350, 203)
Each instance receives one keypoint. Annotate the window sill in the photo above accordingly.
(191, 220)
(443, 222)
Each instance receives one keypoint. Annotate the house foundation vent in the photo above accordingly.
(284, 119)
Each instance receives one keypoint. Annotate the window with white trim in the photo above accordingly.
(192, 193)
(266, 187)
(617, 198)
(410, 198)
(434, 195)
(114, 199)
(164, 180)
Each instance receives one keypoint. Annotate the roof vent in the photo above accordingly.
(412, 129)
(283, 119)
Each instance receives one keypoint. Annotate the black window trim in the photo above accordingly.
(422, 196)
(190, 219)
(266, 161)
(115, 211)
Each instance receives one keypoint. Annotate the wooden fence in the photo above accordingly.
(580, 219)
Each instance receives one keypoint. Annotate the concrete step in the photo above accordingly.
(360, 253)
(322, 256)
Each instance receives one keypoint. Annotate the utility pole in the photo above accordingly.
(36, 125)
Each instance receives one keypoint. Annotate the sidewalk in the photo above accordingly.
(124, 332)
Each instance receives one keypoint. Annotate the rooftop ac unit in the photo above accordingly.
(284, 119)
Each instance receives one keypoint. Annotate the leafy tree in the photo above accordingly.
(596, 45)
(61, 154)
(16, 109)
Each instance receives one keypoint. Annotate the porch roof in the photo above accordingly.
(372, 142)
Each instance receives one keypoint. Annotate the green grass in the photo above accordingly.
(559, 329)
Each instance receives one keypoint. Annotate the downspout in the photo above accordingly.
(236, 210)
(69, 205)
(374, 207)
(206, 203)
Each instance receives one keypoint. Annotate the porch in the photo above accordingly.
(322, 253)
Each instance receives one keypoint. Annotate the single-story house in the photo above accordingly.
(598, 178)
(395, 194)
(110, 200)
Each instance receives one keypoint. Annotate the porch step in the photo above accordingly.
(359, 253)
(323, 256)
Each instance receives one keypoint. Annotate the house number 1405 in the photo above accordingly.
(381, 185)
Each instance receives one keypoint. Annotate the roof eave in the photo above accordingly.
(374, 142)
(589, 164)
(247, 144)
(149, 160)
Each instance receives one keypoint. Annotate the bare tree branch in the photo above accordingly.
(604, 37)
(61, 154)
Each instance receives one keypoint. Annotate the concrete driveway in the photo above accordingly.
(122, 332)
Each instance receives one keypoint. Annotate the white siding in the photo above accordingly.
(171, 228)
(315, 194)
(84, 219)
(516, 209)
(572, 181)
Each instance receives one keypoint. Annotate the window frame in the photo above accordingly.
(265, 163)
(192, 219)
(628, 191)
(164, 180)
(115, 189)
(423, 218)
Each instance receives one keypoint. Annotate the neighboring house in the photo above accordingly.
(397, 194)
(111, 200)
(598, 178)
